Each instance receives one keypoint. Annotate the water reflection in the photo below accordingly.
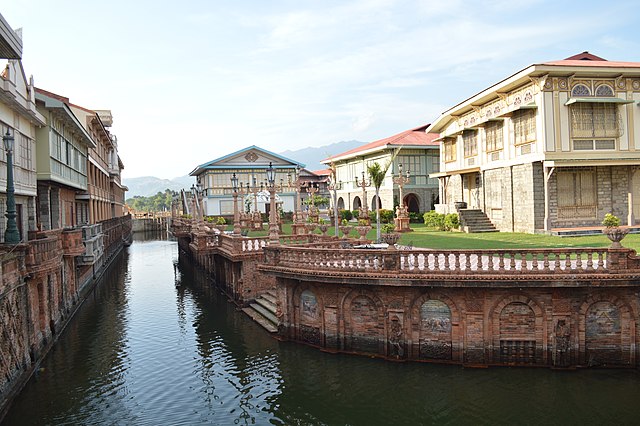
(157, 344)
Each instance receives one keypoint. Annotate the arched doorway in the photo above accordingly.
(340, 203)
(517, 334)
(412, 202)
(357, 203)
(373, 202)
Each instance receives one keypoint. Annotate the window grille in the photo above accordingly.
(494, 136)
(595, 120)
(470, 142)
(604, 90)
(577, 194)
(580, 90)
(524, 126)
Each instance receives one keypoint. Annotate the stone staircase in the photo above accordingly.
(475, 220)
(263, 311)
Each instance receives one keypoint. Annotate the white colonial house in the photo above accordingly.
(555, 145)
(418, 153)
(18, 116)
(250, 167)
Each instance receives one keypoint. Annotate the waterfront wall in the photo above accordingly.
(574, 308)
(43, 281)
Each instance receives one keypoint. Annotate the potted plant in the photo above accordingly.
(221, 224)
(389, 236)
(345, 228)
(323, 226)
(613, 231)
(363, 228)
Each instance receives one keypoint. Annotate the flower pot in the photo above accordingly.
(346, 229)
(615, 234)
(323, 228)
(390, 238)
(362, 230)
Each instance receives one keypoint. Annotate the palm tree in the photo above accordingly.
(377, 175)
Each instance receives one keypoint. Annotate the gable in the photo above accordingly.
(250, 158)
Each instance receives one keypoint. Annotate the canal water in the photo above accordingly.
(156, 345)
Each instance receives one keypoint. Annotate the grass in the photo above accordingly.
(429, 238)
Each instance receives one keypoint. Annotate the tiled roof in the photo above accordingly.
(323, 172)
(412, 137)
(586, 59)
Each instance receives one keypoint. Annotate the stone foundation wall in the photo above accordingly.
(559, 327)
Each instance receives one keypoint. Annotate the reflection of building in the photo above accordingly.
(556, 145)
(62, 156)
(250, 166)
(418, 154)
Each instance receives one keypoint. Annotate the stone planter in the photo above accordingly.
(615, 234)
(323, 228)
(310, 227)
(346, 230)
(390, 238)
(221, 228)
(362, 230)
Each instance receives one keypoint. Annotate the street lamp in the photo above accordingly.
(273, 224)
(402, 218)
(297, 226)
(236, 215)
(11, 235)
(364, 208)
(334, 185)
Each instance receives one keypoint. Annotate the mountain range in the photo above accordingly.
(147, 186)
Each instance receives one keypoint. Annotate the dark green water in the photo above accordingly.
(154, 345)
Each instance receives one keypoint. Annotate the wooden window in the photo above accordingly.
(524, 126)
(450, 149)
(470, 142)
(577, 197)
(494, 136)
(595, 120)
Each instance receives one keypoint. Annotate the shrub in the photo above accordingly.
(221, 221)
(388, 228)
(346, 214)
(611, 221)
(386, 216)
(356, 214)
(451, 221)
(414, 217)
(434, 220)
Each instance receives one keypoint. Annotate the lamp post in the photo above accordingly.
(364, 209)
(333, 186)
(11, 235)
(402, 218)
(236, 215)
(298, 226)
(273, 224)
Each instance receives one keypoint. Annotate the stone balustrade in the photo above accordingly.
(573, 261)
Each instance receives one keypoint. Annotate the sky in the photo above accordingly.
(190, 81)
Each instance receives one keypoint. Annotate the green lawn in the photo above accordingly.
(428, 238)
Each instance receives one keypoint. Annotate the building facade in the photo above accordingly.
(106, 194)
(62, 158)
(250, 167)
(556, 145)
(417, 152)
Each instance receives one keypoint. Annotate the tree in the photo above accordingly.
(377, 175)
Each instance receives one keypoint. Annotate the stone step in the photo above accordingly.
(260, 319)
(269, 296)
(264, 312)
(267, 304)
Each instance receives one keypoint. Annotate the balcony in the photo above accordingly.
(92, 239)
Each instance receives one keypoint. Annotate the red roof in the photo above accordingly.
(586, 59)
(323, 172)
(412, 137)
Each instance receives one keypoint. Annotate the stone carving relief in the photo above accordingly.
(603, 334)
(396, 336)
(562, 344)
(251, 157)
(309, 305)
(435, 330)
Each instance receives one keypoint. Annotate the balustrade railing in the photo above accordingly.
(443, 262)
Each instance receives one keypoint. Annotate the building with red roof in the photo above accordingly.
(415, 149)
(555, 145)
